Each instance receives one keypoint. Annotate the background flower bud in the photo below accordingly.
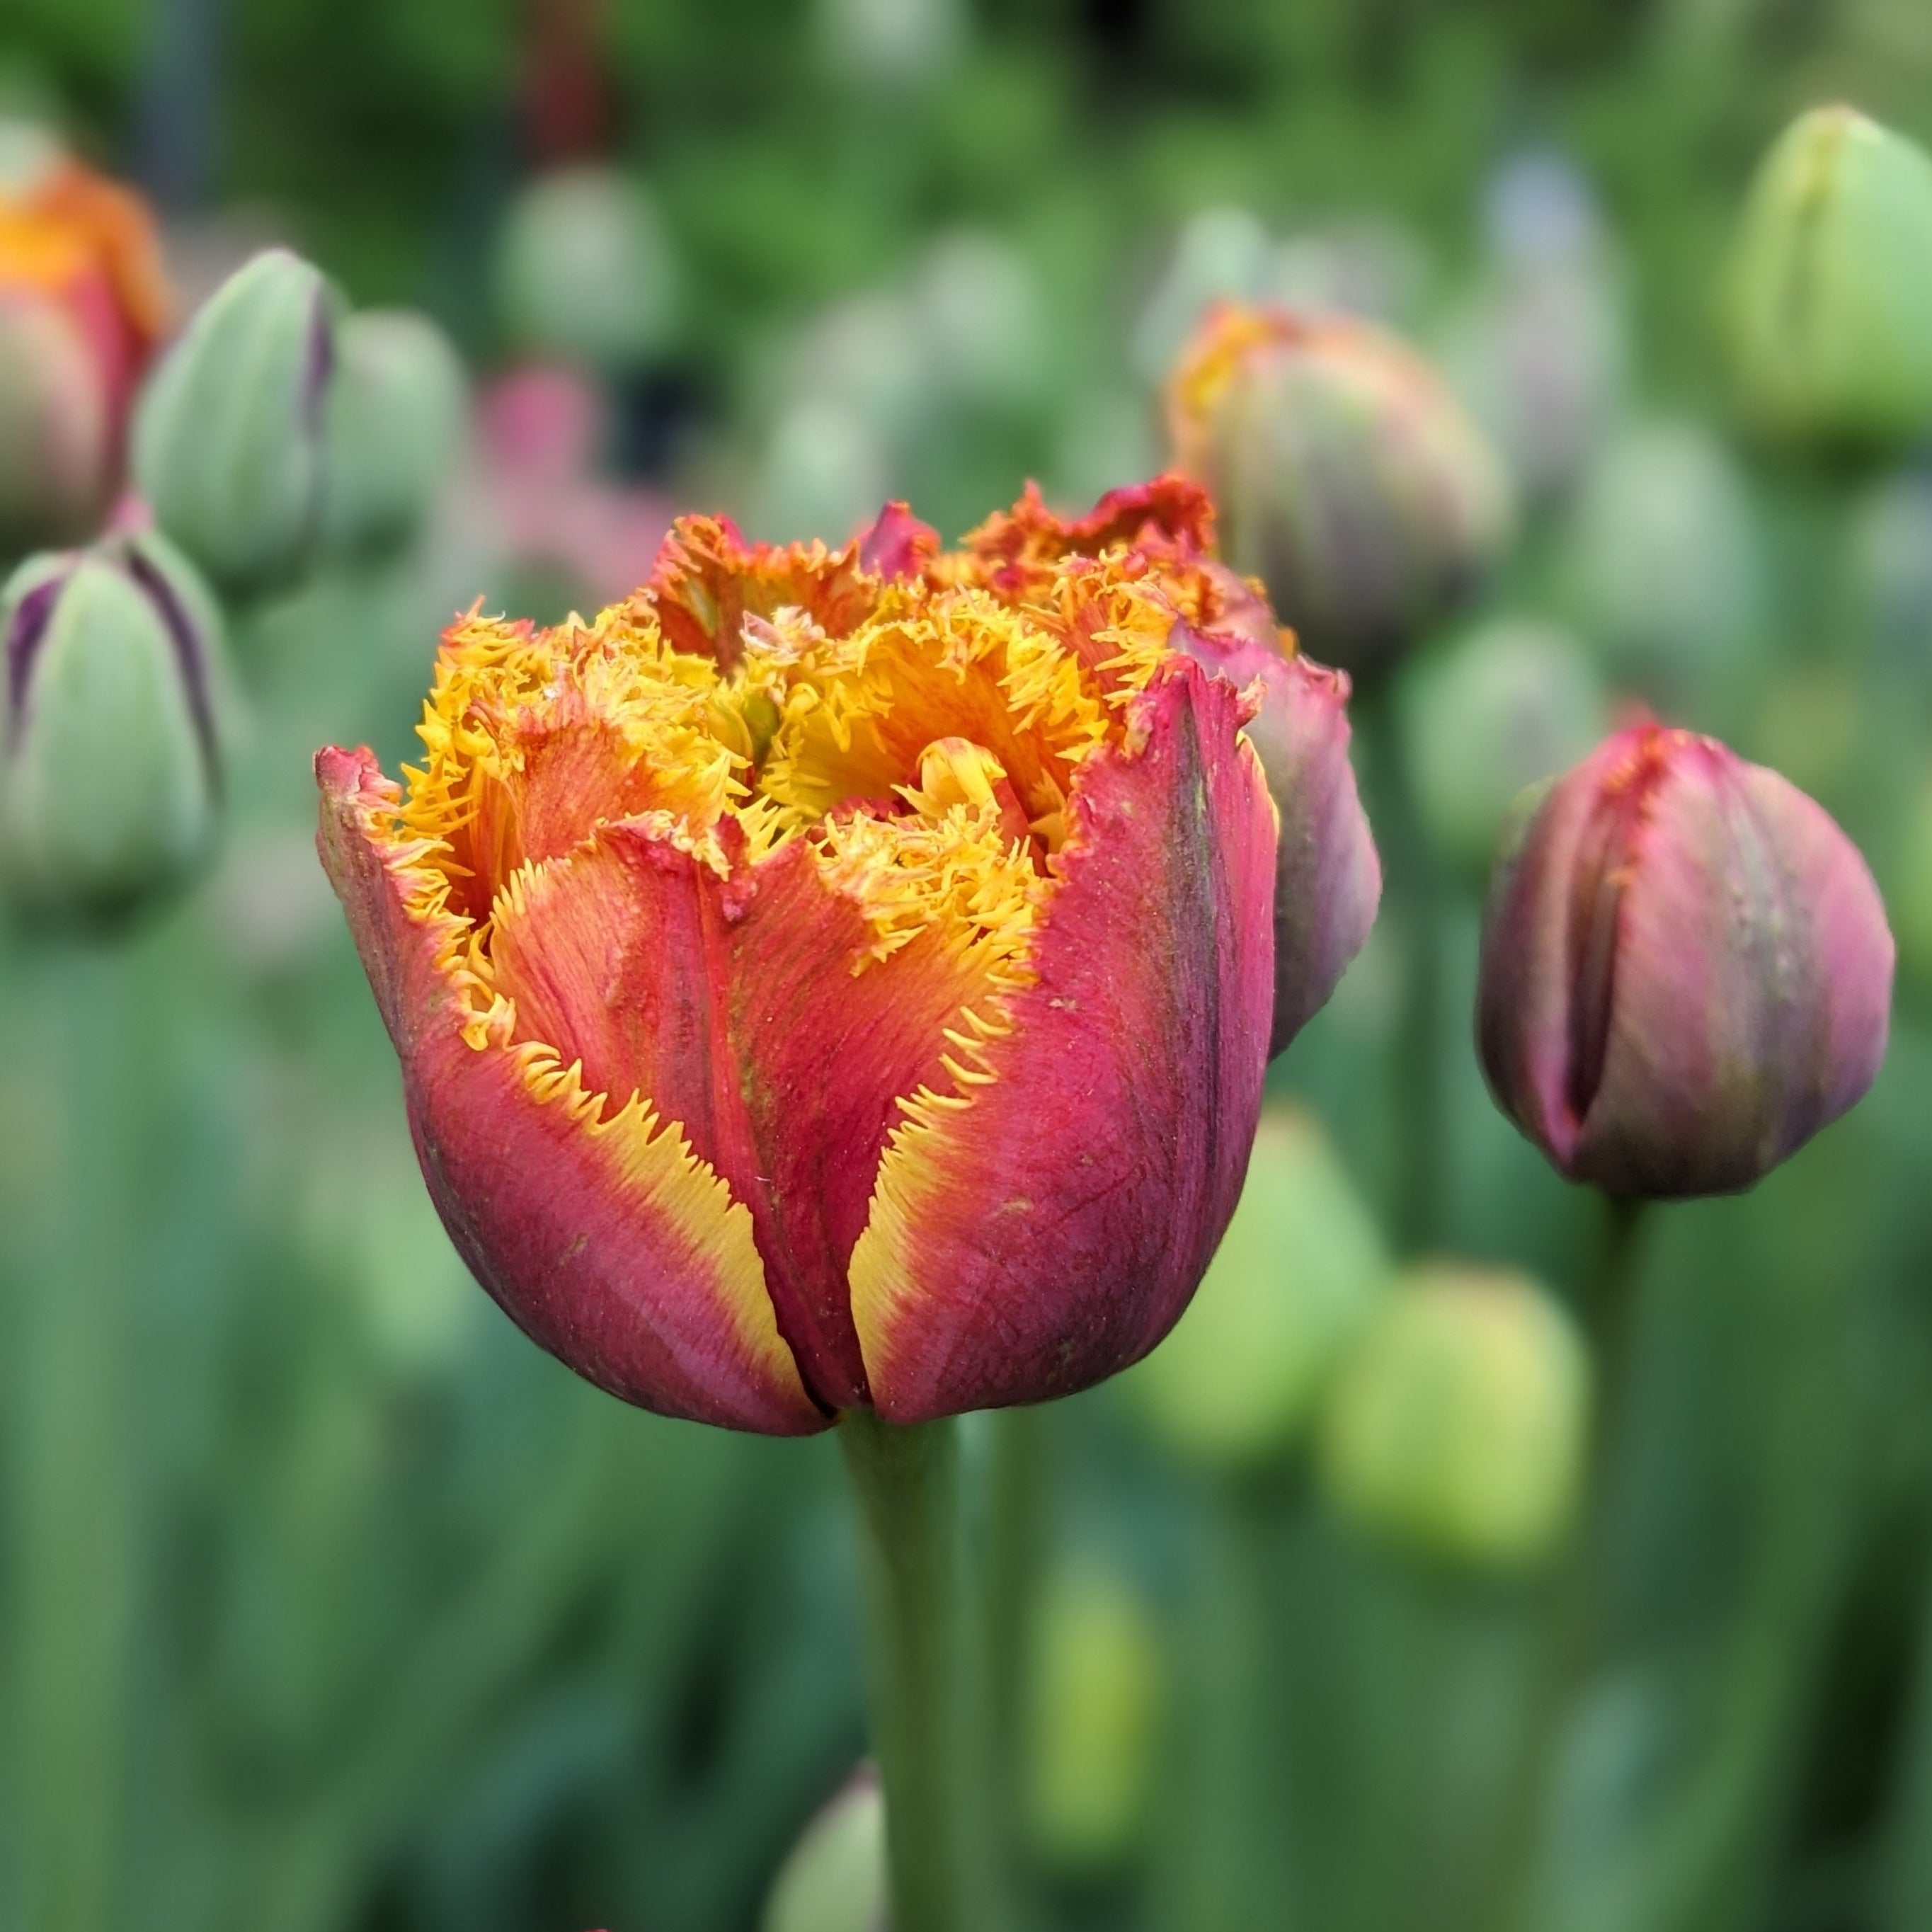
(1664, 567)
(57, 460)
(1828, 302)
(82, 300)
(1686, 969)
(583, 270)
(110, 754)
(1096, 1689)
(1457, 1428)
(228, 435)
(834, 1879)
(1300, 1269)
(1348, 477)
(1508, 704)
(392, 428)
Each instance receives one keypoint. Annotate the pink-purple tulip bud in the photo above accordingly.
(1687, 970)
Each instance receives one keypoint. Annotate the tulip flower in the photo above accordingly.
(1686, 969)
(844, 980)
(82, 304)
(1349, 478)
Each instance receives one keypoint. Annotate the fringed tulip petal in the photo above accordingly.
(1043, 1225)
(663, 976)
(598, 1232)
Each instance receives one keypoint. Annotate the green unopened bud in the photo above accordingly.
(1513, 702)
(109, 752)
(228, 435)
(1665, 567)
(1458, 1427)
(834, 1878)
(584, 271)
(392, 429)
(1093, 1717)
(1828, 305)
(1301, 1267)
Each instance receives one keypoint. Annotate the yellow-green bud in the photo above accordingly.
(1457, 1429)
(228, 435)
(392, 429)
(1828, 303)
(109, 750)
(1093, 1713)
(834, 1879)
(1300, 1269)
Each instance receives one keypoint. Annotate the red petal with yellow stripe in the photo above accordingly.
(1049, 1229)
(599, 1233)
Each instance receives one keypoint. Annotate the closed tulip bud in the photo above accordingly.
(1349, 479)
(1301, 1269)
(584, 271)
(392, 429)
(1686, 969)
(1513, 702)
(1828, 305)
(1095, 1691)
(1457, 1430)
(57, 462)
(109, 757)
(228, 436)
(838, 979)
(1665, 567)
(834, 1879)
(82, 303)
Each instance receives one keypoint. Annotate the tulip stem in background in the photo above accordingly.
(1412, 883)
(1608, 1312)
(1014, 1528)
(1230, 1812)
(1609, 1315)
(70, 1463)
(909, 1490)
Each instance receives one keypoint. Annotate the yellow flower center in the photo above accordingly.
(926, 757)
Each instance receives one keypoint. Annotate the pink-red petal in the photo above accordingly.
(735, 1005)
(1050, 1231)
(598, 1232)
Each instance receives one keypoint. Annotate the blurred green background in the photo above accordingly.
(326, 1602)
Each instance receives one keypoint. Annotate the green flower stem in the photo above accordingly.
(1609, 1312)
(1229, 1872)
(908, 1485)
(1413, 885)
(1015, 1513)
(71, 1461)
